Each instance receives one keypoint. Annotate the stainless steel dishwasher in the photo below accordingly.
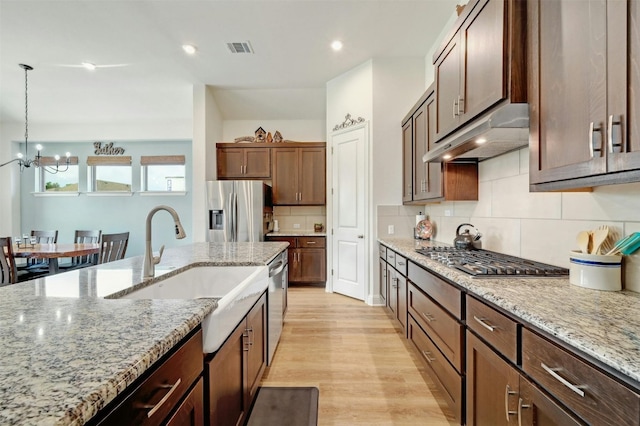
(278, 282)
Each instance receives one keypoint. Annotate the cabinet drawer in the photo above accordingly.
(383, 252)
(401, 264)
(163, 389)
(391, 257)
(441, 371)
(495, 328)
(290, 240)
(441, 327)
(312, 242)
(592, 395)
(445, 294)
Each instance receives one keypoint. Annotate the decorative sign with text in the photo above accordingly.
(107, 149)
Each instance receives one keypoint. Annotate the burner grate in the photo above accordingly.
(485, 263)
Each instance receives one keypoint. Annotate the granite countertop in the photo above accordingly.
(297, 233)
(602, 324)
(66, 350)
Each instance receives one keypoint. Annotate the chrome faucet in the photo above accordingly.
(149, 259)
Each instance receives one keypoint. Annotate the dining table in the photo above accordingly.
(54, 251)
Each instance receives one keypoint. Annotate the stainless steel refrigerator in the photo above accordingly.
(238, 210)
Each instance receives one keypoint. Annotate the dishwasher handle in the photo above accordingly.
(276, 269)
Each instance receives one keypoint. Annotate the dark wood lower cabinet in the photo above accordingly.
(233, 373)
(191, 411)
(536, 408)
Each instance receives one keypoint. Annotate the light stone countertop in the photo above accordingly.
(66, 350)
(297, 233)
(604, 325)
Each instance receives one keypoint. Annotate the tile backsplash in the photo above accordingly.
(537, 226)
(304, 216)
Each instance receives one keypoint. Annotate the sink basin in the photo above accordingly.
(236, 287)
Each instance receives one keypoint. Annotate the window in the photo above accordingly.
(64, 181)
(109, 174)
(163, 173)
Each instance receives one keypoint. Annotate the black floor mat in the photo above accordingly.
(285, 406)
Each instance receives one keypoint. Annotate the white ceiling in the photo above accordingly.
(284, 79)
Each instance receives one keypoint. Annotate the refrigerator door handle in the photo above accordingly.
(230, 218)
(235, 216)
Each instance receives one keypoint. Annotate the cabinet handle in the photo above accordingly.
(428, 317)
(249, 334)
(155, 408)
(484, 324)
(507, 392)
(395, 280)
(610, 124)
(562, 380)
(360, 236)
(460, 105)
(311, 242)
(520, 407)
(401, 263)
(593, 129)
(426, 354)
(455, 108)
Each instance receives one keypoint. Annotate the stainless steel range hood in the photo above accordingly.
(501, 130)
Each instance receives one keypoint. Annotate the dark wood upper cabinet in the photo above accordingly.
(431, 181)
(481, 63)
(299, 175)
(584, 82)
(235, 162)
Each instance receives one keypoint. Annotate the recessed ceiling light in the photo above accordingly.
(480, 141)
(446, 156)
(89, 66)
(189, 49)
(336, 45)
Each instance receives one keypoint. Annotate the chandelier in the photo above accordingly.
(23, 159)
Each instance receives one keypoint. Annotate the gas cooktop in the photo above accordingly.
(489, 264)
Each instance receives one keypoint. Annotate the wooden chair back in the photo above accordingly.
(8, 273)
(42, 237)
(113, 247)
(86, 237)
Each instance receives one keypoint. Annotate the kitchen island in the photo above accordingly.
(69, 346)
(529, 319)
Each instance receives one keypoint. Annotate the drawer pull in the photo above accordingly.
(520, 407)
(426, 356)
(507, 392)
(428, 317)
(401, 263)
(562, 380)
(155, 408)
(311, 242)
(484, 324)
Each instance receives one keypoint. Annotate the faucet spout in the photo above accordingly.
(149, 259)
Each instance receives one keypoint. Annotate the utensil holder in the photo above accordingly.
(595, 271)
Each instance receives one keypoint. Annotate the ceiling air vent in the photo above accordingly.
(240, 47)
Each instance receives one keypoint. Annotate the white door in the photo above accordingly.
(349, 185)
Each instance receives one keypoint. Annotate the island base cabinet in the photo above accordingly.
(191, 411)
(536, 408)
(234, 372)
(442, 373)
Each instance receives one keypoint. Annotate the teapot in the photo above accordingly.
(465, 240)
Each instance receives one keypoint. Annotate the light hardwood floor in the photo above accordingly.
(358, 359)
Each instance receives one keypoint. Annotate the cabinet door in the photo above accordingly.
(434, 176)
(536, 408)
(257, 353)
(568, 88)
(401, 311)
(313, 265)
(483, 74)
(312, 178)
(285, 176)
(393, 278)
(191, 411)
(383, 281)
(230, 162)
(447, 76)
(419, 147)
(492, 386)
(227, 380)
(407, 163)
(257, 163)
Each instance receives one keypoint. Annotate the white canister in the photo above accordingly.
(595, 271)
(276, 228)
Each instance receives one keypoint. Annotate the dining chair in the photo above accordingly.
(83, 237)
(8, 272)
(42, 237)
(113, 247)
